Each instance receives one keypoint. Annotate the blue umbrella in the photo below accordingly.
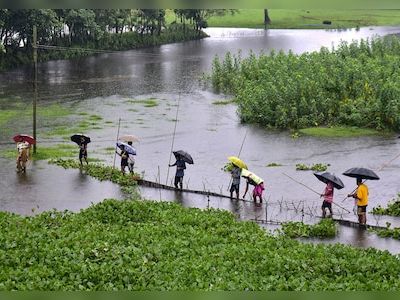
(128, 148)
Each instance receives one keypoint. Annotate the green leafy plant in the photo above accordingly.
(387, 232)
(319, 167)
(144, 245)
(392, 209)
(326, 228)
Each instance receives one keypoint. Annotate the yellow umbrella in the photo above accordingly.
(237, 162)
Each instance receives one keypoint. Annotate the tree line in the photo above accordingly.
(95, 27)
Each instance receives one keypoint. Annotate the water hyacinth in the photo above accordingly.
(354, 85)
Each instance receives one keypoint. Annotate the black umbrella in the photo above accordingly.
(328, 177)
(362, 173)
(80, 139)
(185, 156)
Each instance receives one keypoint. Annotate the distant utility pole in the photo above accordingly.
(34, 46)
(267, 20)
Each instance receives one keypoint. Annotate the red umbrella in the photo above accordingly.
(24, 138)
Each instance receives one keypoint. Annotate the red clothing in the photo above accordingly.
(328, 194)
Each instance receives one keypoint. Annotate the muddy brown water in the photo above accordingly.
(104, 85)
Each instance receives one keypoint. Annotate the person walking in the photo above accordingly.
(180, 167)
(83, 150)
(328, 199)
(236, 171)
(23, 156)
(124, 158)
(361, 200)
(257, 182)
(131, 160)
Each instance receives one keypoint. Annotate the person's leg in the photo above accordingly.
(176, 182)
(181, 182)
(323, 211)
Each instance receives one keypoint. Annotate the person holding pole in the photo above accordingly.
(180, 167)
(328, 199)
(236, 171)
(124, 158)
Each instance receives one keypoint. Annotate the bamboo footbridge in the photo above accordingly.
(157, 185)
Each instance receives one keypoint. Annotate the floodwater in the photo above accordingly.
(105, 85)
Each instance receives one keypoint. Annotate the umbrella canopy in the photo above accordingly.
(247, 174)
(185, 156)
(362, 173)
(80, 139)
(128, 148)
(328, 177)
(24, 138)
(237, 162)
(129, 138)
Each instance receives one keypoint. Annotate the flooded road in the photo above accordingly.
(110, 85)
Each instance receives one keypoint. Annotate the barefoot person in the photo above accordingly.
(328, 199)
(257, 182)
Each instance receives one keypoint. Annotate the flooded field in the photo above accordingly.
(148, 90)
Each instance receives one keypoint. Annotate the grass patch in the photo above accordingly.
(223, 102)
(44, 153)
(151, 102)
(273, 164)
(95, 118)
(308, 19)
(339, 131)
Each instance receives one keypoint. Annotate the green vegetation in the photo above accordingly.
(95, 118)
(339, 131)
(319, 167)
(223, 102)
(102, 172)
(136, 245)
(326, 228)
(273, 164)
(354, 86)
(44, 153)
(151, 102)
(308, 19)
(16, 108)
(387, 232)
(98, 29)
(228, 167)
(393, 208)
